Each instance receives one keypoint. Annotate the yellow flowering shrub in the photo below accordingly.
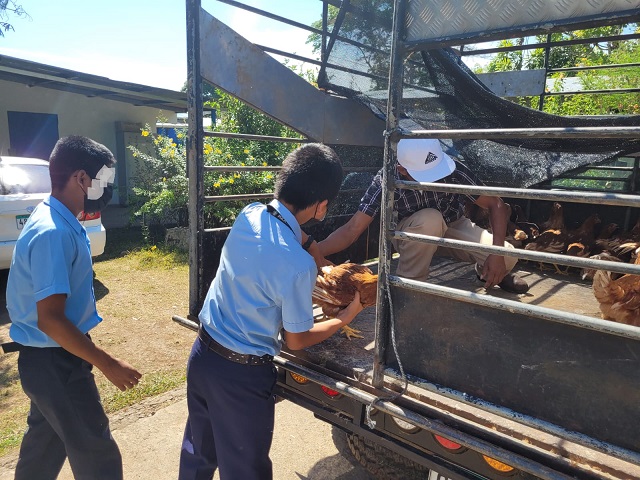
(160, 194)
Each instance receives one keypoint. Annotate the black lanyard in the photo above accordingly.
(276, 213)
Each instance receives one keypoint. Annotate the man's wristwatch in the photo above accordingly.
(308, 243)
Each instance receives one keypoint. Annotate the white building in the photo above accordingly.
(41, 103)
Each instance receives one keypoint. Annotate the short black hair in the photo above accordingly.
(311, 173)
(74, 153)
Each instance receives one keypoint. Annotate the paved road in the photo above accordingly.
(303, 448)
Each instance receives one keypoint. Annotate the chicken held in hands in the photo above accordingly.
(336, 286)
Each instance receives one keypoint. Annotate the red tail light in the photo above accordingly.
(448, 444)
(329, 392)
(89, 216)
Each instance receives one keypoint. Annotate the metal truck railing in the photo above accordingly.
(385, 326)
(385, 315)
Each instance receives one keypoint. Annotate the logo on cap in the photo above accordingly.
(432, 157)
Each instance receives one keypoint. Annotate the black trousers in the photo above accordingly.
(66, 419)
(231, 416)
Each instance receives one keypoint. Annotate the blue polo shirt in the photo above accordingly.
(52, 256)
(263, 284)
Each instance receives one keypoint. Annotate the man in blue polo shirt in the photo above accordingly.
(261, 295)
(52, 307)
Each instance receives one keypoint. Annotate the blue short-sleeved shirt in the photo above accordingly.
(263, 284)
(52, 256)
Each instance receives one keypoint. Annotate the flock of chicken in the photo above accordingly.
(618, 296)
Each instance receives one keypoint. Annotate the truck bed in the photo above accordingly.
(354, 360)
(547, 289)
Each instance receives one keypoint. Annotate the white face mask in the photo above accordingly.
(105, 176)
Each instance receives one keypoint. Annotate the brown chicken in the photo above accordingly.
(619, 298)
(622, 245)
(336, 286)
(580, 241)
(607, 231)
(555, 220)
(589, 273)
(480, 216)
(550, 241)
(530, 229)
(514, 235)
(553, 237)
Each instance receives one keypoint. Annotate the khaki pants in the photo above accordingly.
(415, 257)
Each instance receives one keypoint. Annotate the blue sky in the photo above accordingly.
(140, 41)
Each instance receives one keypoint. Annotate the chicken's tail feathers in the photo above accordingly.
(319, 294)
(626, 247)
(601, 282)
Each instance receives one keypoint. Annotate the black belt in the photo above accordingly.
(10, 347)
(223, 351)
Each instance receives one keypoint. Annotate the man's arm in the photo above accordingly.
(323, 330)
(53, 321)
(314, 251)
(344, 236)
(494, 269)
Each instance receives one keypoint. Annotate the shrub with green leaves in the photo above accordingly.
(160, 191)
(160, 184)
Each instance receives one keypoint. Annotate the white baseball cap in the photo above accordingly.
(424, 159)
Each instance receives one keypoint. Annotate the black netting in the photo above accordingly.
(440, 92)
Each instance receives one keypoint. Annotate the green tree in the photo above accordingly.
(209, 92)
(368, 22)
(7, 9)
(596, 52)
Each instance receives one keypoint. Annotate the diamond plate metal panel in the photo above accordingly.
(438, 20)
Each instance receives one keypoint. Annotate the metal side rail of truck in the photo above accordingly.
(449, 381)
(436, 432)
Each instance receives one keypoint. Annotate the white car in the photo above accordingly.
(24, 183)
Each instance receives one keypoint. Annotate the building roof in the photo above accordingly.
(35, 74)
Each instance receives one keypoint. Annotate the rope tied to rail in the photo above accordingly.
(369, 421)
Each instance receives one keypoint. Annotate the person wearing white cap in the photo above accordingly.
(432, 213)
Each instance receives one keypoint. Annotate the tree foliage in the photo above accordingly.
(368, 23)
(596, 52)
(9, 8)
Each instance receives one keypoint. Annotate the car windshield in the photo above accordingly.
(24, 179)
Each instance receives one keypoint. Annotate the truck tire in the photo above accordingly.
(382, 463)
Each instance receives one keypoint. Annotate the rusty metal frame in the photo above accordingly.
(195, 161)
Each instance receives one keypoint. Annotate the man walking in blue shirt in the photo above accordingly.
(260, 297)
(52, 307)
